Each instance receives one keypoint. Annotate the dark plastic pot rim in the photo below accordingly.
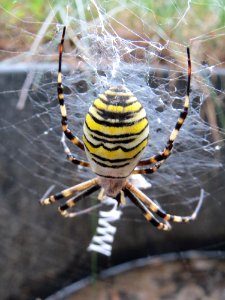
(137, 263)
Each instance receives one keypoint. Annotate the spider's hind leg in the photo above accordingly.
(160, 158)
(71, 157)
(64, 120)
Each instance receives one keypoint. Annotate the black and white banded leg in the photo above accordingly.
(73, 138)
(160, 158)
(147, 206)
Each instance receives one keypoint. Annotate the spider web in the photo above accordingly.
(107, 43)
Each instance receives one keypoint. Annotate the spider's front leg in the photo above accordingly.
(145, 203)
(86, 188)
(70, 191)
(145, 211)
(64, 209)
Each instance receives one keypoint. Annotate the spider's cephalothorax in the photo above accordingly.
(115, 135)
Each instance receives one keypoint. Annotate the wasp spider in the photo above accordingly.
(115, 134)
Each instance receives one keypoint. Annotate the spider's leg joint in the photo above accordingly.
(165, 227)
(63, 208)
(63, 213)
(47, 201)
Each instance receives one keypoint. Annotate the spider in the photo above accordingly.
(115, 134)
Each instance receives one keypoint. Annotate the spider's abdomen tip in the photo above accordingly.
(119, 89)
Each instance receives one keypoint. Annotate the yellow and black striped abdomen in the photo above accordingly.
(115, 133)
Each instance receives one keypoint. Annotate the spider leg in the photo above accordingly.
(70, 191)
(63, 209)
(147, 214)
(74, 139)
(120, 198)
(160, 212)
(76, 161)
(161, 157)
(71, 157)
(148, 170)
